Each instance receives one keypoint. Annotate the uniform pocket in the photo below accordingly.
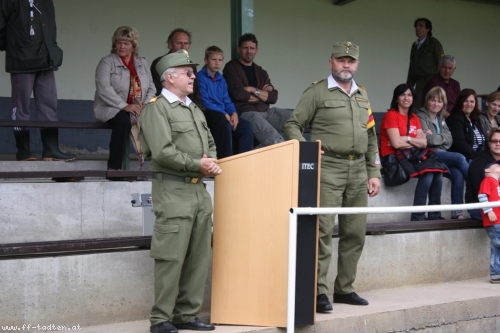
(334, 103)
(363, 103)
(165, 242)
(181, 130)
(182, 126)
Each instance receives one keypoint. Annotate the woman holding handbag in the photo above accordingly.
(439, 139)
(401, 129)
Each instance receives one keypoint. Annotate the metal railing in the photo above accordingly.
(292, 235)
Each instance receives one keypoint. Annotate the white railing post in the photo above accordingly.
(292, 261)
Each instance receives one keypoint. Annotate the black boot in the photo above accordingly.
(50, 142)
(23, 146)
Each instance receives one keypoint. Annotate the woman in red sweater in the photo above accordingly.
(397, 133)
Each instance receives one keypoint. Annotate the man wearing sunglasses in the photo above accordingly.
(174, 134)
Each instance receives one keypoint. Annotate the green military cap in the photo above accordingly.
(346, 49)
(176, 59)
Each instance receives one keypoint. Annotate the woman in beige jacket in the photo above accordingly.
(123, 86)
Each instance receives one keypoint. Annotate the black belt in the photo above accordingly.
(166, 176)
(344, 156)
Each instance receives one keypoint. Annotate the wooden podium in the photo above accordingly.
(253, 196)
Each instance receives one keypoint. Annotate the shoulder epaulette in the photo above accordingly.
(313, 84)
(152, 100)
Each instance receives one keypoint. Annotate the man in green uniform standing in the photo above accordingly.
(339, 114)
(424, 58)
(175, 136)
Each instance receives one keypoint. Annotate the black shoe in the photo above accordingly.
(323, 304)
(351, 298)
(196, 325)
(164, 327)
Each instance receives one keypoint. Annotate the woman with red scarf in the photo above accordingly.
(123, 86)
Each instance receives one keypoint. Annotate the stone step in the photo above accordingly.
(461, 306)
(78, 164)
(99, 288)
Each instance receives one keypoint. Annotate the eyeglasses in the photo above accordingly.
(495, 142)
(188, 73)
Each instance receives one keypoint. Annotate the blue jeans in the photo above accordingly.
(268, 126)
(475, 214)
(428, 184)
(494, 234)
(459, 167)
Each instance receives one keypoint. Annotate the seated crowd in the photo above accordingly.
(238, 112)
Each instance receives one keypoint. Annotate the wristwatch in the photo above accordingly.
(256, 93)
(408, 139)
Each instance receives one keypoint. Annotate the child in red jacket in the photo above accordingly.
(489, 191)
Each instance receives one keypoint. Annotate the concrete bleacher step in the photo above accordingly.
(462, 306)
(80, 164)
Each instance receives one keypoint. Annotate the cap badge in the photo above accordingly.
(187, 55)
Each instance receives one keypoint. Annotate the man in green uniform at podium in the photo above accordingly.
(339, 114)
(174, 134)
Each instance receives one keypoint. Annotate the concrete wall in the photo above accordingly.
(40, 211)
(295, 39)
(80, 290)
(96, 289)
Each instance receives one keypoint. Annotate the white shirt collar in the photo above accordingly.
(420, 42)
(332, 84)
(171, 97)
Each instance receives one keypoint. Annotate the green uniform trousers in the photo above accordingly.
(181, 248)
(343, 184)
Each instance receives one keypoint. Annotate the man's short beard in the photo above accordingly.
(338, 77)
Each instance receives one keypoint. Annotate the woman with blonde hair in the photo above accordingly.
(123, 86)
(439, 138)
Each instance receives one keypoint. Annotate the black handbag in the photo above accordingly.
(419, 161)
(393, 172)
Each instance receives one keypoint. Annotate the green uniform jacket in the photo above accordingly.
(175, 137)
(339, 121)
(424, 61)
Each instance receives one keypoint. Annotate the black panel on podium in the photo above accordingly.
(306, 235)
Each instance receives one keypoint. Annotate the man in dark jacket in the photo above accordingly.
(178, 39)
(424, 58)
(28, 35)
(252, 93)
